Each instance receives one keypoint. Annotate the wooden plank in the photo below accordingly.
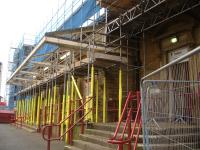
(110, 58)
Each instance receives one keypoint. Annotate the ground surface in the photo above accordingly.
(12, 138)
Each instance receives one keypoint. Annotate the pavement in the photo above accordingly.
(13, 138)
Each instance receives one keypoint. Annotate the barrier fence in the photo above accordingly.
(171, 104)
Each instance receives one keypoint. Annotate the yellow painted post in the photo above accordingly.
(104, 101)
(63, 108)
(46, 109)
(49, 106)
(72, 97)
(54, 102)
(120, 93)
(17, 108)
(97, 100)
(32, 109)
(38, 110)
(27, 112)
(22, 108)
(75, 105)
(67, 111)
(76, 87)
(35, 110)
(92, 93)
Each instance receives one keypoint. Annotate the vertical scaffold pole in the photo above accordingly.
(64, 106)
(120, 93)
(97, 99)
(67, 110)
(104, 100)
(54, 102)
(38, 109)
(92, 93)
(49, 106)
(71, 107)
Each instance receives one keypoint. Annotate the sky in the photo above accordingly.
(19, 17)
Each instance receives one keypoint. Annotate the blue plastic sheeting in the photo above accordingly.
(47, 48)
(87, 10)
(81, 15)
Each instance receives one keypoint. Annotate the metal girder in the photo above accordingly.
(29, 72)
(47, 64)
(41, 63)
(133, 13)
(163, 16)
(25, 79)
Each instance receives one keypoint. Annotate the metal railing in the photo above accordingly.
(171, 106)
(129, 127)
(48, 128)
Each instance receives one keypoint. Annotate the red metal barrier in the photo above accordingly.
(48, 128)
(128, 127)
(7, 116)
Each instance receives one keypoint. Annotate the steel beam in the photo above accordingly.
(164, 15)
(133, 13)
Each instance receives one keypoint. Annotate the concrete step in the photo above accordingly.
(107, 127)
(83, 145)
(69, 147)
(173, 130)
(107, 134)
(172, 146)
(97, 140)
(181, 138)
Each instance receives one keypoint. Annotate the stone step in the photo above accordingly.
(97, 140)
(172, 146)
(173, 130)
(153, 138)
(83, 145)
(69, 147)
(180, 138)
(107, 127)
(107, 134)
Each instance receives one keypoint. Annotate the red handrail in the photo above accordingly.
(121, 141)
(122, 115)
(49, 127)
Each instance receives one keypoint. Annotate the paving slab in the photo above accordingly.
(13, 138)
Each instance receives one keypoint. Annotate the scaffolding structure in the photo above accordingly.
(87, 48)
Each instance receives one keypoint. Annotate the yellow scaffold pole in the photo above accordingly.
(75, 104)
(67, 110)
(63, 109)
(72, 98)
(54, 102)
(29, 111)
(76, 87)
(97, 100)
(92, 93)
(32, 109)
(17, 107)
(49, 106)
(120, 93)
(38, 109)
(104, 100)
